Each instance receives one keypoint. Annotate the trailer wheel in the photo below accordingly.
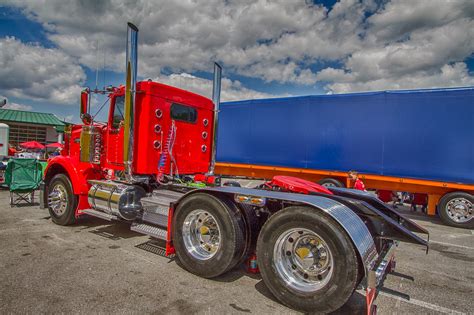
(456, 209)
(331, 182)
(307, 260)
(208, 235)
(61, 200)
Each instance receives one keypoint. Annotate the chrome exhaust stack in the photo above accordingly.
(216, 99)
(130, 89)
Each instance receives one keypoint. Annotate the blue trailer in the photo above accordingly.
(423, 138)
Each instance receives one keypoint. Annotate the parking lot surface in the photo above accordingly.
(100, 267)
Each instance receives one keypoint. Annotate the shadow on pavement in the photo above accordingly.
(112, 230)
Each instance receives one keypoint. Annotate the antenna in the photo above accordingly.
(97, 66)
(104, 69)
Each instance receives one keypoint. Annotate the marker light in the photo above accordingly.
(250, 200)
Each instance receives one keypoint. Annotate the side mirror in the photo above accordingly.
(85, 116)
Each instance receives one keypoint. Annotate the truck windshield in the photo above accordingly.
(118, 112)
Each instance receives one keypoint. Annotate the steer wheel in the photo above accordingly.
(61, 200)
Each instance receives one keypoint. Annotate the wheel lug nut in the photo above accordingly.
(290, 240)
(288, 253)
(305, 276)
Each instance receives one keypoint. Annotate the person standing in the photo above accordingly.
(11, 150)
(356, 182)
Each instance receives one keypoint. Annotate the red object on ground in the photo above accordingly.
(298, 185)
(420, 199)
(32, 145)
(252, 266)
(359, 185)
(384, 195)
(54, 145)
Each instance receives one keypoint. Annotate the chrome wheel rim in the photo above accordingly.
(201, 234)
(459, 210)
(58, 199)
(303, 260)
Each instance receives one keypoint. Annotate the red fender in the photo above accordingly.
(78, 174)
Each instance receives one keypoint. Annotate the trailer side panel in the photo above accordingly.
(424, 134)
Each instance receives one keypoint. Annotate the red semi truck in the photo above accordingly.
(152, 164)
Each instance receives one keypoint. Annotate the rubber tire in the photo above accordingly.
(444, 215)
(332, 181)
(252, 230)
(345, 276)
(232, 183)
(232, 227)
(69, 216)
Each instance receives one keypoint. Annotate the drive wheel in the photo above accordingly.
(307, 260)
(208, 234)
(456, 209)
(62, 202)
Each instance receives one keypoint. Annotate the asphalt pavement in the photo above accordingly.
(100, 267)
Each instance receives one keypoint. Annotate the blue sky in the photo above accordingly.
(267, 49)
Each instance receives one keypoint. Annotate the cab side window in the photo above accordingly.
(118, 118)
(183, 113)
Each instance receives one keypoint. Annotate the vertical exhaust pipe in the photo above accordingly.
(216, 99)
(130, 88)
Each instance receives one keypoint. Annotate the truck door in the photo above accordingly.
(115, 131)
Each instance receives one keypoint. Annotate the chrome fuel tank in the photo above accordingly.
(119, 199)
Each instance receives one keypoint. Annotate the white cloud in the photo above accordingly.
(402, 44)
(409, 45)
(33, 72)
(400, 18)
(448, 76)
(231, 89)
(15, 106)
(271, 40)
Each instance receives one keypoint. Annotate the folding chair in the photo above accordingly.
(23, 177)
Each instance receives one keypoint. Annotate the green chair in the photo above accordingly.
(23, 177)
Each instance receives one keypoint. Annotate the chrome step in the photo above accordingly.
(150, 230)
(99, 214)
(154, 201)
(161, 197)
(168, 193)
(156, 207)
(159, 217)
